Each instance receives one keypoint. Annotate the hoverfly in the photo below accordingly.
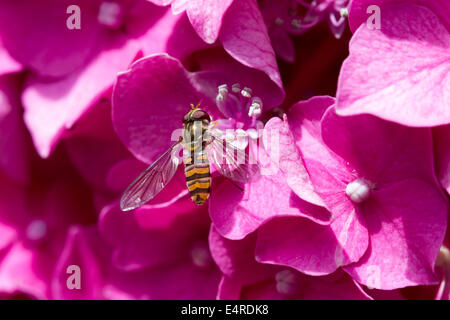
(201, 144)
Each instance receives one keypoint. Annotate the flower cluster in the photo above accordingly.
(353, 148)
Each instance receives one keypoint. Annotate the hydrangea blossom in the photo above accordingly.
(351, 199)
(370, 191)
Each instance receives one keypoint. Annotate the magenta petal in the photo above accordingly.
(149, 102)
(17, 272)
(236, 213)
(42, 40)
(282, 44)
(94, 148)
(217, 68)
(337, 288)
(178, 281)
(14, 143)
(228, 289)
(291, 164)
(300, 244)
(206, 17)
(407, 223)
(390, 157)
(348, 222)
(236, 259)
(162, 2)
(399, 73)
(151, 236)
(244, 36)
(119, 175)
(358, 9)
(52, 107)
(78, 252)
(7, 63)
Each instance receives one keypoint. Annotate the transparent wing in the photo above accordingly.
(230, 161)
(150, 182)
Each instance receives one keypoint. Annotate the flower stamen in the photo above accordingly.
(358, 190)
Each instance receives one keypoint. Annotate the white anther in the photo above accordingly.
(36, 230)
(358, 190)
(255, 108)
(279, 21)
(343, 12)
(110, 14)
(296, 23)
(443, 258)
(287, 282)
(236, 87)
(246, 92)
(200, 255)
(222, 92)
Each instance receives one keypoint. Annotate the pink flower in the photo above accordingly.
(377, 179)
(73, 69)
(400, 72)
(245, 278)
(151, 82)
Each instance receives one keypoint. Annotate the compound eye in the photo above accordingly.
(200, 115)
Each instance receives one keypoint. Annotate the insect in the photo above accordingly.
(201, 144)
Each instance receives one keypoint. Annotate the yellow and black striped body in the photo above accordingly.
(198, 176)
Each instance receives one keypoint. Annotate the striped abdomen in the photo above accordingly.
(198, 177)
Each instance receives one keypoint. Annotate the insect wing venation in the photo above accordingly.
(150, 182)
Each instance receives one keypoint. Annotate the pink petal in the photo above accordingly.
(166, 32)
(236, 259)
(119, 175)
(78, 252)
(179, 281)
(300, 244)
(236, 213)
(244, 36)
(282, 44)
(20, 271)
(218, 68)
(290, 162)
(14, 144)
(399, 73)
(228, 289)
(7, 63)
(94, 148)
(348, 222)
(407, 223)
(358, 10)
(388, 158)
(52, 107)
(206, 17)
(51, 49)
(152, 236)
